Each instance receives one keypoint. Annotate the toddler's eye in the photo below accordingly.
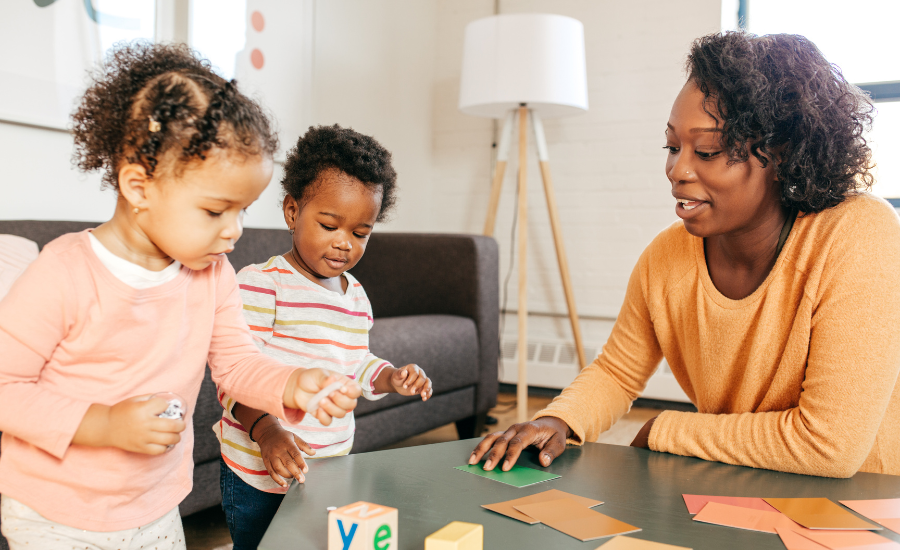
(213, 214)
(327, 228)
(361, 236)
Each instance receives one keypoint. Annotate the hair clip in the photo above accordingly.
(154, 125)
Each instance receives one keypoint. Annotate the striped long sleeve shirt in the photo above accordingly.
(301, 323)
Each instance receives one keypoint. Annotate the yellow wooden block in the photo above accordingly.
(457, 535)
(362, 526)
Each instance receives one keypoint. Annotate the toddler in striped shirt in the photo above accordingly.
(304, 308)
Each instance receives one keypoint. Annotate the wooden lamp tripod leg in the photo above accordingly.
(499, 171)
(544, 162)
(522, 381)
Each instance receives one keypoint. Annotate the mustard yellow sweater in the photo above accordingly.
(798, 377)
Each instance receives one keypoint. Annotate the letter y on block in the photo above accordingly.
(371, 527)
(346, 538)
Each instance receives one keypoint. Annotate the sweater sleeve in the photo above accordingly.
(605, 389)
(258, 294)
(370, 367)
(852, 366)
(34, 319)
(238, 367)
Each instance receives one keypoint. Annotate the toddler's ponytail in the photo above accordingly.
(159, 105)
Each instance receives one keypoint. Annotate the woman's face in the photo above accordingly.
(713, 197)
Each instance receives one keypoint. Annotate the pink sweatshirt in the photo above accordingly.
(72, 334)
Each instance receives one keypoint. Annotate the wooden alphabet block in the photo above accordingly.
(457, 535)
(362, 526)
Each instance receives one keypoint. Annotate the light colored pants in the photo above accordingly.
(25, 529)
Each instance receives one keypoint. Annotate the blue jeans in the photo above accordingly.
(248, 511)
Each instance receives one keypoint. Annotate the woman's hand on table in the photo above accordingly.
(642, 439)
(548, 434)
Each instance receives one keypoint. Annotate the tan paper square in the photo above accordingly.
(575, 520)
(507, 508)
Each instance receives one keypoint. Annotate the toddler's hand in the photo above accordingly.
(305, 383)
(411, 380)
(281, 454)
(134, 425)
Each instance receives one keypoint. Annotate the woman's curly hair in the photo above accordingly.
(152, 104)
(778, 98)
(347, 150)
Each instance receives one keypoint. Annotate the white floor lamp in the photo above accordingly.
(526, 66)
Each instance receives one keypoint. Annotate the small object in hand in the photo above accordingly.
(176, 409)
(312, 407)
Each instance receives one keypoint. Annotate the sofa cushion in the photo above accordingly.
(445, 346)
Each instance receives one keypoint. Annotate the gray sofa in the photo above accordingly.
(435, 300)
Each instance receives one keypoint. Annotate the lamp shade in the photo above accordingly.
(531, 58)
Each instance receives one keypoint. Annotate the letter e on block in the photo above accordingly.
(362, 526)
(457, 535)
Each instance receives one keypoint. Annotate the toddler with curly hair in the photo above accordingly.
(106, 318)
(305, 308)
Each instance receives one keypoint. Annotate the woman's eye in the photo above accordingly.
(707, 156)
(671, 148)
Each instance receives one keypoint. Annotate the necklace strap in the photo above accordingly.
(786, 230)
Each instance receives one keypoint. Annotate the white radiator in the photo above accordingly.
(554, 365)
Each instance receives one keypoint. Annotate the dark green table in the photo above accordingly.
(637, 486)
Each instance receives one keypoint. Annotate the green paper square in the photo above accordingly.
(517, 476)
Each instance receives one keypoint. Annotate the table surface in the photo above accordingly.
(637, 486)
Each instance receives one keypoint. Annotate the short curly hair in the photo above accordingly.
(779, 98)
(153, 104)
(358, 155)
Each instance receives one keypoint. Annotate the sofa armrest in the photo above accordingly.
(419, 274)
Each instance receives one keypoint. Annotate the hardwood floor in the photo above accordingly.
(207, 530)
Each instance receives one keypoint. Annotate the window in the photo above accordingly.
(861, 40)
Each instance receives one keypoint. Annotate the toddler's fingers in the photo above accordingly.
(163, 438)
(330, 405)
(351, 389)
(304, 446)
(293, 463)
(273, 474)
(155, 406)
(154, 449)
(168, 425)
(344, 402)
(282, 466)
(323, 417)
(412, 381)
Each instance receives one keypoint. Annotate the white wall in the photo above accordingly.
(607, 164)
(373, 71)
(391, 68)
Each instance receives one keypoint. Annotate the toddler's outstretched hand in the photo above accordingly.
(131, 425)
(306, 383)
(411, 380)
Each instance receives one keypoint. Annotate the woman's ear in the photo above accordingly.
(291, 211)
(133, 182)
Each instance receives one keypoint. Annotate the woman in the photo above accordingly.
(775, 300)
